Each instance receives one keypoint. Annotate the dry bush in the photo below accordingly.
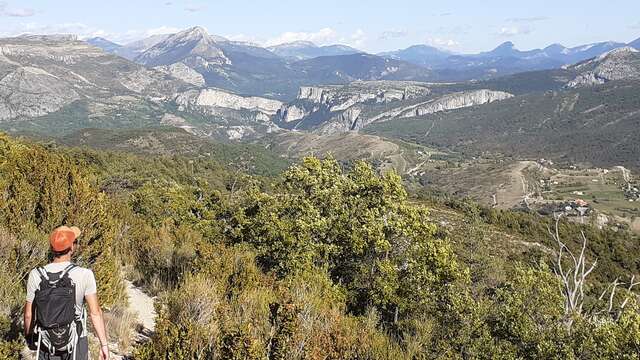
(121, 326)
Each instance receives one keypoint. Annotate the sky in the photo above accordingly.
(462, 26)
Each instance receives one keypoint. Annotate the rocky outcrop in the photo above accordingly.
(618, 64)
(353, 119)
(292, 113)
(215, 98)
(346, 121)
(310, 93)
(331, 101)
(342, 97)
(456, 101)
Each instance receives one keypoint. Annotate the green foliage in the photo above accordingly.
(327, 263)
(41, 190)
(566, 126)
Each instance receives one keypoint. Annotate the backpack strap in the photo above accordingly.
(67, 270)
(45, 276)
(43, 273)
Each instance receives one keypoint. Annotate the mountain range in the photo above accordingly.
(303, 50)
(442, 65)
(225, 90)
(245, 68)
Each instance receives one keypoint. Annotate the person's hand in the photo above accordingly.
(104, 352)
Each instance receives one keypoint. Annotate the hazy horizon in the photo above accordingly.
(463, 27)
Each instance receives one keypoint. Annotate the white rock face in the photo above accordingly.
(353, 119)
(360, 98)
(311, 93)
(238, 132)
(222, 99)
(618, 64)
(336, 99)
(347, 121)
(184, 73)
(586, 79)
(292, 113)
(457, 101)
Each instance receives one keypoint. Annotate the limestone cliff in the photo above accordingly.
(456, 101)
(216, 98)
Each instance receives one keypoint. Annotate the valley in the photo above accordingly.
(292, 196)
(470, 138)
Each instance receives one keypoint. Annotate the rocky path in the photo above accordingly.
(142, 305)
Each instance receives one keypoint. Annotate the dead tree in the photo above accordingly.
(611, 290)
(572, 277)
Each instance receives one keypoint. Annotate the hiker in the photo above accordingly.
(55, 320)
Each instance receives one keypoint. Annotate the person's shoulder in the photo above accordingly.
(82, 270)
(34, 272)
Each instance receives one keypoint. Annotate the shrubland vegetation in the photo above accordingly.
(324, 261)
(571, 127)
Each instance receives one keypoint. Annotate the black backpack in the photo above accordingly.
(55, 310)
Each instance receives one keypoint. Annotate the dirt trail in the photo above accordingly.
(514, 192)
(142, 305)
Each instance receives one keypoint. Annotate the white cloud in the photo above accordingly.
(511, 31)
(133, 35)
(5, 10)
(442, 43)
(250, 39)
(393, 34)
(79, 29)
(636, 26)
(84, 31)
(162, 30)
(530, 19)
(358, 38)
(320, 37)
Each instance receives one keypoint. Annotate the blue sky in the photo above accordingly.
(460, 26)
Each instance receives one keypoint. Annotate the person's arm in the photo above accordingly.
(32, 286)
(28, 311)
(95, 312)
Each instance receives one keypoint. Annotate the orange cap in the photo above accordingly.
(63, 237)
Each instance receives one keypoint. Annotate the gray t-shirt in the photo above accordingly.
(83, 279)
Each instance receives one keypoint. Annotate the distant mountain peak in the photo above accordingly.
(190, 43)
(196, 31)
(300, 43)
(555, 46)
(507, 45)
(302, 50)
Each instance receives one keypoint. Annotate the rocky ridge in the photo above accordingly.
(42, 74)
(51, 80)
(619, 64)
(335, 109)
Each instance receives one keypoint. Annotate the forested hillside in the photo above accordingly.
(250, 267)
(593, 126)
